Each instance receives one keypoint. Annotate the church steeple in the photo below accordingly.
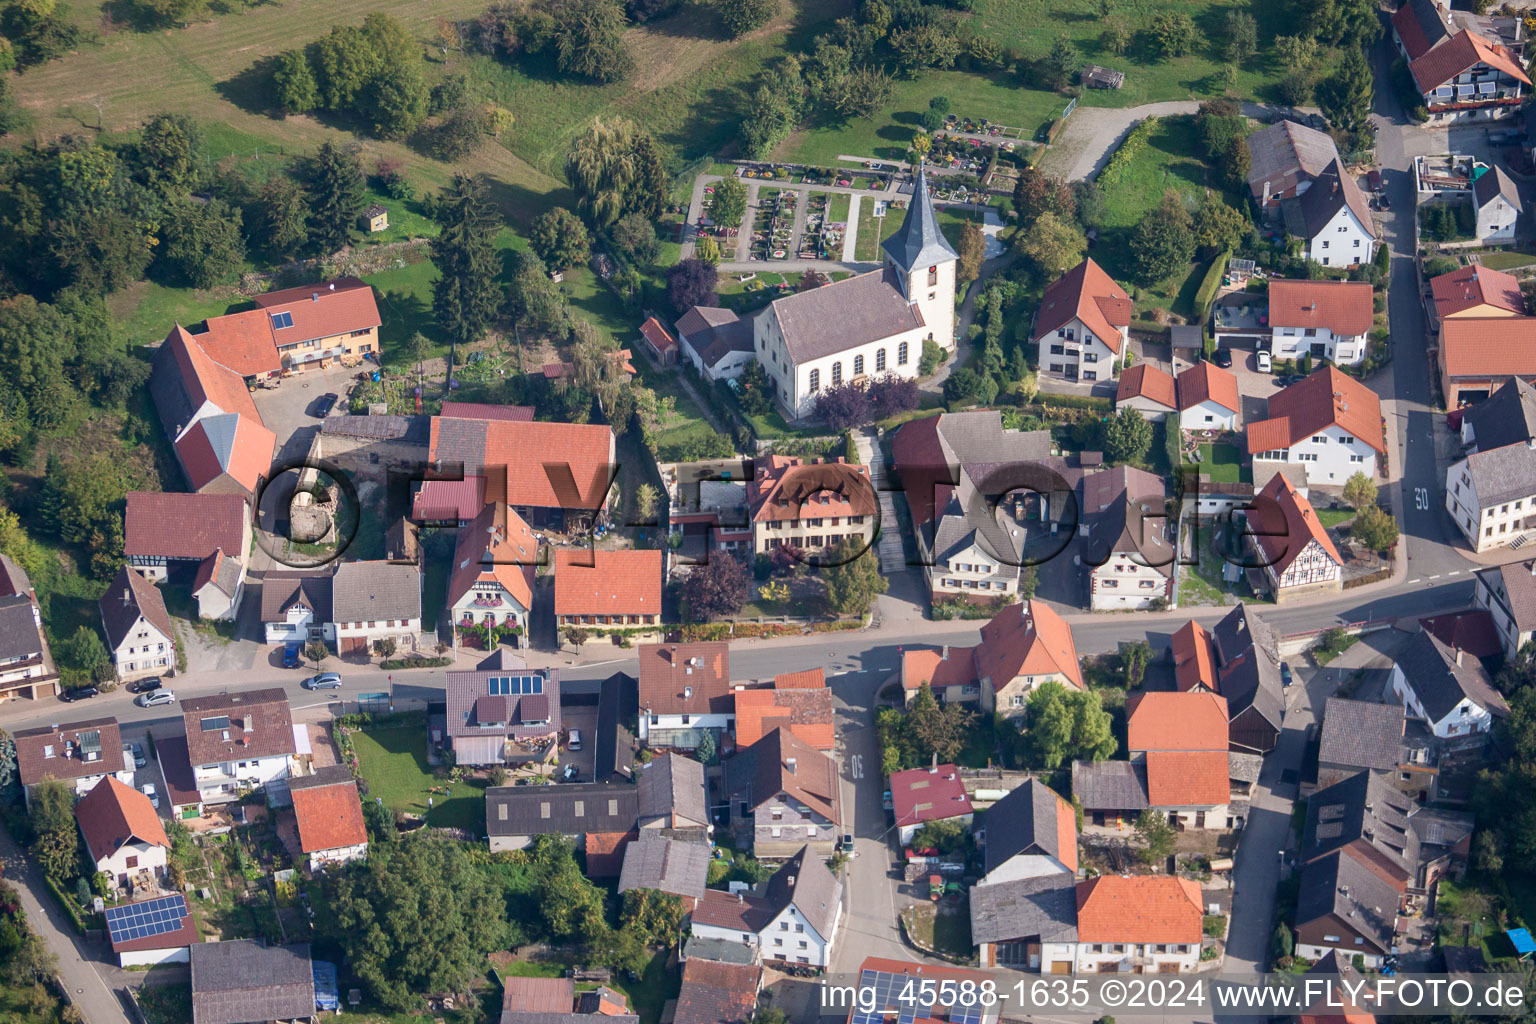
(919, 242)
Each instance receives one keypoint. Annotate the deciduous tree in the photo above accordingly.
(293, 83)
(1163, 241)
(615, 169)
(1156, 835)
(973, 250)
(1053, 245)
(742, 16)
(1127, 437)
(844, 405)
(1374, 528)
(1360, 491)
(1242, 37)
(730, 202)
(716, 588)
(692, 283)
(1174, 33)
(533, 299)
(635, 236)
(55, 839)
(560, 239)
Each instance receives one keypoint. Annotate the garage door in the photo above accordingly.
(354, 645)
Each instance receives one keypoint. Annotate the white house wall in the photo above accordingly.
(1208, 415)
(1342, 242)
(1327, 457)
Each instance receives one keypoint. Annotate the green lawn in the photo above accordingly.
(1223, 463)
(393, 762)
(1506, 260)
(874, 230)
(1331, 517)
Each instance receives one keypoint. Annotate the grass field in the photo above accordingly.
(393, 762)
(1223, 463)
(1506, 260)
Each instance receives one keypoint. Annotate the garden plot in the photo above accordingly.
(773, 225)
(822, 237)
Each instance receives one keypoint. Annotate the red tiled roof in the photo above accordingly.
(250, 453)
(330, 817)
(1087, 293)
(1024, 639)
(496, 545)
(605, 852)
(1139, 908)
(1194, 658)
(322, 310)
(242, 342)
(922, 794)
(805, 712)
(1188, 778)
(112, 813)
(1344, 307)
(207, 381)
(1326, 399)
(1471, 631)
(1474, 286)
(810, 679)
(715, 992)
(1170, 720)
(483, 411)
(931, 667)
(624, 582)
(667, 671)
(533, 457)
(1146, 381)
(786, 487)
(1480, 347)
(1285, 523)
(1406, 23)
(171, 524)
(657, 335)
(449, 500)
(537, 995)
(1208, 381)
(1463, 51)
(920, 461)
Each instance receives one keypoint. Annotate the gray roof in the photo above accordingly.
(613, 745)
(1307, 215)
(1124, 510)
(844, 314)
(1494, 182)
(129, 596)
(1364, 807)
(1430, 21)
(1502, 474)
(1244, 767)
(19, 636)
(536, 1017)
(1519, 587)
(1250, 668)
(1362, 734)
(702, 318)
(281, 590)
(240, 980)
(1430, 668)
(1044, 905)
(1285, 154)
(1439, 829)
(723, 950)
(670, 865)
(369, 591)
(672, 784)
(1024, 821)
(919, 241)
(565, 809)
(805, 882)
(1110, 785)
(715, 343)
(1342, 886)
(1187, 335)
(1508, 416)
(472, 710)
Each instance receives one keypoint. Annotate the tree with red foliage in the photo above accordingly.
(890, 395)
(844, 406)
(692, 283)
(715, 588)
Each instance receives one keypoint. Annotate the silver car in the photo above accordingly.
(155, 698)
(323, 681)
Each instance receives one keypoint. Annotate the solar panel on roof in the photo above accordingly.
(141, 920)
(281, 320)
(966, 1014)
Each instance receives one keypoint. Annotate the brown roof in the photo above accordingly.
(1463, 51)
(171, 524)
(270, 731)
(723, 910)
(1146, 381)
(1326, 399)
(1474, 286)
(781, 762)
(785, 487)
(1139, 908)
(1286, 154)
(1285, 524)
(1194, 658)
(127, 597)
(1024, 639)
(322, 310)
(668, 670)
(282, 589)
(484, 411)
(538, 995)
(1479, 347)
(537, 464)
(329, 812)
(715, 992)
(1168, 720)
(626, 582)
(33, 766)
(605, 852)
(1208, 381)
(806, 713)
(1344, 307)
(111, 814)
(845, 314)
(1088, 294)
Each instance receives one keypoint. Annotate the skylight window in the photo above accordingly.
(281, 320)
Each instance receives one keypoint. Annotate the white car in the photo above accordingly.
(1262, 361)
(575, 740)
(148, 789)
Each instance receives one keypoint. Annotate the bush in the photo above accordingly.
(1134, 143)
(1205, 295)
(933, 355)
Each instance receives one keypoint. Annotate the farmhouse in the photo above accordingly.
(490, 584)
(1294, 549)
(374, 601)
(210, 418)
(552, 474)
(607, 588)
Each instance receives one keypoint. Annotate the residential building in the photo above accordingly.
(1182, 740)
(613, 742)
(1451, 692)
(157, 930)
(1323, 429)
(1508, 592)
(556, 1001)
(1324, 319)
(1491, 491)
(1151, 924)
(123, 835)
(490, 585)
(1474, 292)
(554, 475)
(793, 918)
(79, 754)
(717, 993)
(1194, 659)
(1505, 417)
(311, 326)
(237, 742)
(1468, 77)
(1286, 158)
(329, 817)
(660, 343)
(448, 502)
(1345, 904)
(656, 861)
(707, 506)
(296, 606)
(1332, 219)
(1361, 735)
(210, 418)
(1418, 26)
(923, 795)
(1368, 816)
(805, 710)
(26, 664)
(893, 983)
(685, 689)
(1208, 398)
(1082, 325)
(507, 715)
(1023, 647)
(1337, 996)
(1027, 923)
(514, 815)
(963, 476)
(243, 981)
(671, 798)
(783, 794)
(1148, 390)
(138, 628)
(209, 534)
(1291, 545)
(594, 589)
(1238, 660)
(716, 342)
(1498, 206)
(1479, 354)
(1126, 549)
(868, 325)
(810, 506)
(374, 601)
(950, 673)
(1030, 832)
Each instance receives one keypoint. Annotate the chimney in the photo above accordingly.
(933, 768)
(791, 881)
(1458, 656)
(333, 286)
(687, 693)
(246, 722)
(789, 763)
(314, 297)
(945, 655)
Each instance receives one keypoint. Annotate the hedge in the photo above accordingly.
(402, 663)
(65, 902)
(1134, 143)
(1047, 398)
(1205, 295)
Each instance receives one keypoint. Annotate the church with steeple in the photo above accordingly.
(868, 325)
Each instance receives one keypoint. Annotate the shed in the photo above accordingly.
(376, 218)
(1187, 337)
(1095, 77)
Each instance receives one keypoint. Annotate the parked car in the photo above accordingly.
(1373, 181)
(155, 699)
(145, 685)
(1223, 358)
(326, 403)
(575, 740)
(79, 693)
(136, 751)
(1285, 674)
(847, 843)
(1263, 361)
(571, 771)
(148, 789)
(293, 655)
(323, 681)
(1285, 380)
